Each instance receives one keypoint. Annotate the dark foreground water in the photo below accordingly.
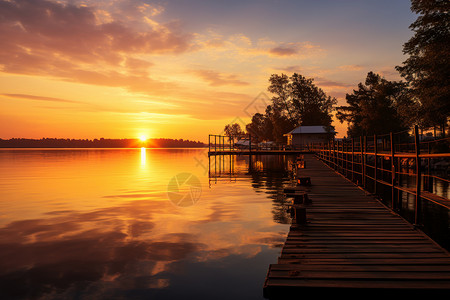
(138, 224)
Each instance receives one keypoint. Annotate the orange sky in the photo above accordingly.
(179, 69)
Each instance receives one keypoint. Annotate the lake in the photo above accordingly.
(138, 223)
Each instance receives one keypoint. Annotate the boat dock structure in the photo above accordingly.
(223, 145)
(349, 235)
(345, 241)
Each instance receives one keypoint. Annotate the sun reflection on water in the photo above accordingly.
(143, 156)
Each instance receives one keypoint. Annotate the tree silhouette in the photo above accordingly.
(377, 107)
(301, 100)
(296, 101)
(427, 68)
(233, 131)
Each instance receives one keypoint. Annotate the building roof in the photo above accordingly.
(309, 129)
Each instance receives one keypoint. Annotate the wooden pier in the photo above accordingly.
(257, 152)
(348, 243)
(224, 145)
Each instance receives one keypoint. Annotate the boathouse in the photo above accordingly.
(304, 135)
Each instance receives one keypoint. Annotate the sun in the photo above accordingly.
(143, 138)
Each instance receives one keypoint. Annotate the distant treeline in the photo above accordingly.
(98, 143)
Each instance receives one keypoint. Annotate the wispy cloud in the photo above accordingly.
(283, 51)
(38, 98)
(324, 82)
(243, 45)
(215, 78)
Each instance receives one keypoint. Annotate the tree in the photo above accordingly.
(301, 101)
(260, 128)
(377, 107)
(427, 69)
(233, 131)
(296, 101)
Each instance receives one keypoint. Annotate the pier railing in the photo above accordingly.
(392, 165)
(224, 144)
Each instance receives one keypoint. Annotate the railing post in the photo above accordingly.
(335, 155)
(399, 183)
(353, 159)
(344, 148)
(393, 204)
(363, 166)
(332, 154)
(375, 167)
(429, 185)
(418, 204)
(338, 157)
(215, 143)
(209, 143)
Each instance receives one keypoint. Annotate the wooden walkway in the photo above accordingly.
(352, 244)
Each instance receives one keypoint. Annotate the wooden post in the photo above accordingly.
(399, 183)
(299, 214)
(344, 154)
(338, 157)
(301, 198)
(215, 143)
(365, 162)
(328, 153)
(363, 167)
(429, 178)
(353, 159)
(375, 167)
(418, 203)
(209, 143)
(393, 204)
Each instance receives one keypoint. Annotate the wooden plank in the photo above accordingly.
(441, 261)
(360, 275)
(360, 267)
(414, 285)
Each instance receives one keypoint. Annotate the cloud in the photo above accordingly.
(283, 51)
(242, 45)
(104, 45)
(298, 49)
(324, 82)
(38, 98)
(44, 34)
(215, 78)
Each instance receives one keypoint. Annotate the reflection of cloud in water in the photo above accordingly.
(73, 249)
(114, 249)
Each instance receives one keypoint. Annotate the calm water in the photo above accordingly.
(138, 223)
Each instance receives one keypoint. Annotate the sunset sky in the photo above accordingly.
(180, 68)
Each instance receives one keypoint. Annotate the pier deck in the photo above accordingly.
(353, 244)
